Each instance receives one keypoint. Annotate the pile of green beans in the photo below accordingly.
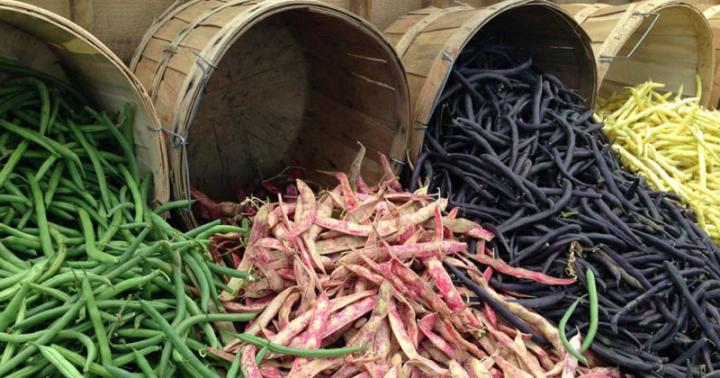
(92, 281)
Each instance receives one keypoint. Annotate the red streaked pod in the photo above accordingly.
(381, 341)
(247, 363)
(346, 371)
(444, 283)
(347, 193)
(405, 251)
(314, 334)
(406, 345)
(286, 309)
(504, 268)
(479, 368)
(426, 326)
(313, 367)
(457, 371)
(257, 231)
(509, 370)
(570, 363)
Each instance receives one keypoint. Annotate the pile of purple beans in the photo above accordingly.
(517, 151)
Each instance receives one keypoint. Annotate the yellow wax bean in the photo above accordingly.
(673, 141)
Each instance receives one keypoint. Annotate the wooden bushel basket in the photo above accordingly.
(712, 14)
(248, 88)
(52, 44)
(663, 40)
(430, 40)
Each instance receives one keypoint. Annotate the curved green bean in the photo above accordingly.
(307, 353)
(177, 342)
(563, 336)
(594, 311)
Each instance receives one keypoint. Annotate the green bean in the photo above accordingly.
(117, 372)
(10, 257)
(53, 114)
(235, 366)
(132, 262)
(45, 108)
(49, 334)
(41, 218)
(9, 216)
(37, 138)
(90, 201)
(15, 232)
(10, 347)
(207, 318)
(145, 185)
(133, 226)
(86, 341)
(80, 361)
(90, 247)
(163, 369)
(159, 304)
(55, 293)
(69, 275)
(200, 229)
(261, 354)
(63, 365)
(113, 228)
(201, 279)
(159, 264)
(594, 310)
(219, 229)
(96, 320)
(209, 276)
(12, 280)
(307, 353)
(154, 340)
(563, 335)
(138, 332)
(15, 102)
(120, 138)
(163, 226)
(53, 183)
(8, 266)
(128, 284)
(75, 204)
(144, 365)
(34, 319)
(28, 247)
(177, 342)
(125, 257)
(16, 68)
(95, 161)
(8, 315)
(27, 371)
(45, 167)
(173, 205)
(135, 193)
(12, 161)
(11, 198)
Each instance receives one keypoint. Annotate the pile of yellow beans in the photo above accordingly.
(674, 142)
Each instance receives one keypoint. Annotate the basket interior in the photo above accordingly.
(672, 53)
(298, 88)
(554, 42)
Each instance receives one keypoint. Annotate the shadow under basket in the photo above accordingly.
(254, 88)
(430, 40)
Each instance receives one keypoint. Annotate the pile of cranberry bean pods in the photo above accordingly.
(346, 267)
(517, 151)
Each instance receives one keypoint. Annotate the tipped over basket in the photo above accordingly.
(52, 44)
(663, 40)
(430, 40)
(248, 88)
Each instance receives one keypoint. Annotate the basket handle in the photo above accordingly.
(610, 59)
